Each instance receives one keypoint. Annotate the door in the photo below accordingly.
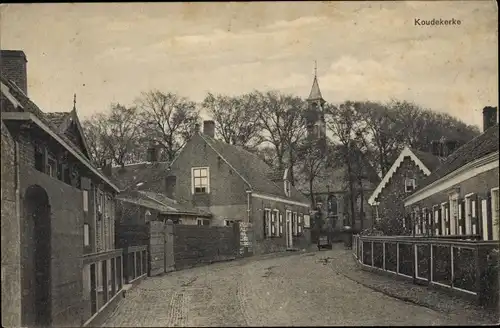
(36, 275)
(289, 236)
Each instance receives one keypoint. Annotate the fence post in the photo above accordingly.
(415, 261)
(397, 258)
(431, 264)
(383, 255)
(452, 269)
(372, 254)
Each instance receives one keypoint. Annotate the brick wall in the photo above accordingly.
(67, 245)
(194, 245)
(11, 251)
(391, 208)
(226, 187)
(13, 65)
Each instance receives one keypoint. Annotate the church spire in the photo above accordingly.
(74, 102)
(315, 92)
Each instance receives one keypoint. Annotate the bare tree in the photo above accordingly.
(94, 129)
(168, 120)
(281, 118)
(313, 159)
(344, 123)
(113, 135)
(236, 119)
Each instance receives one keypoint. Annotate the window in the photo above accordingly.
(277, 223)
(307, 221)
(267, 222)
(468, 214)
(179, 221)
(294, 224)
(52, 167)
(453, 213)
(228, 223)
(200, 180)
(281, 224)
(204, 222)
(39, 159)
(409, 185)
(86, 200)
(436, 220)
(274, 219)
(299, 226)
(86, 234)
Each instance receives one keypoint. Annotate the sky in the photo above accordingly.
(111, 52)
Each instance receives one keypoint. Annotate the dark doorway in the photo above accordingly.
(37, 258)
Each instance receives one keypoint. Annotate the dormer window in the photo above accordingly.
(410, 185)
(287, 188)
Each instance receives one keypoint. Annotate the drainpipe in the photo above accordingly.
(17, 184)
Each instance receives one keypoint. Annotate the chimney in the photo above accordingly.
(107, 169)
(170, 182)
(209, 128)
(13, 63)
(489, 117)
(152, 154)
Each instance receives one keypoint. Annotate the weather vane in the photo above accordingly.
(315, 68)
(74, 101)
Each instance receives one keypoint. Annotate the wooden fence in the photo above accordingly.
(467, 267)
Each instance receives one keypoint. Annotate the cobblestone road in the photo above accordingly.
(292, 290)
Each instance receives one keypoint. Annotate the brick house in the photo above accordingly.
(236, 185)
(405, 174)
(461, 197)
(57, 210)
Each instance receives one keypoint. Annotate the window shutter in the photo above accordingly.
(489, 216)
(273, 224)
(281, 223)
(264, 221)
(300, 223)
(476, 209)
(461, 219)
(447, 217)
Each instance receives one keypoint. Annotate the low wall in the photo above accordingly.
(195, 245)
(175, 247)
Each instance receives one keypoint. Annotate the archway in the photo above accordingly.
(37, 258)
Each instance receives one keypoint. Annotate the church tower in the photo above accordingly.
(315, 117)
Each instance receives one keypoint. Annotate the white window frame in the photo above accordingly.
(453, 215)
(85, 196)
(86, 234)
(276, 223)
(495, 215)
(273, 223)
(299, 224)
(307, 221)
(193, 187)
(199, 222)
(435, 210)
(424, 220)
(445, 218)
(410, 182)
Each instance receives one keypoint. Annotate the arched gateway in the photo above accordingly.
(36, 257)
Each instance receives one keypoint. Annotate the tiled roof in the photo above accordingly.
(135, 176)
(315, 92)
(478, 147)
(30, 106)
(254, 170)
(160, 203)
(57, 118)
(431, 161)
